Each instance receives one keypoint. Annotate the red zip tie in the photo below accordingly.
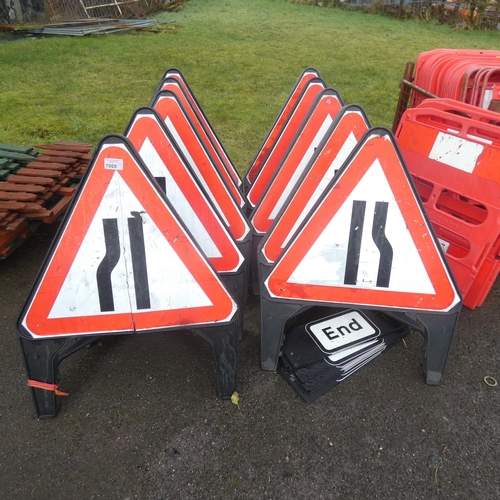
(47, 387)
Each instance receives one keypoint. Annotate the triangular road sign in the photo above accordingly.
(343, 135)
(281, 120)
(367, 241)
(179, 77)
(202, 165)
(172, 85)
(122, 261)
(314, 127)
(283, 141)
(160, 154)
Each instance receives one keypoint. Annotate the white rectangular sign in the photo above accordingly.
(342, 330)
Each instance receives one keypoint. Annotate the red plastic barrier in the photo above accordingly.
(484, 279)
(467, 145)
(486, 81)
(457, 74)
(454, 161)
(462, 109)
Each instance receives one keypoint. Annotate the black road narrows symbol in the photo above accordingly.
(139, 265)
(379, 238)
(354, 246)
(111, 258)
(108, 263)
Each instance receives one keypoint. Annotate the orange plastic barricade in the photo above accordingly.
(448, 73)
(485, 277)
(487, 86)
(462, 109)
(454, 163)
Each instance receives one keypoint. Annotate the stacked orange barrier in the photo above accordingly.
(452, 150)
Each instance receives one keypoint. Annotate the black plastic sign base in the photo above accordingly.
(43, 357)
(123, 262)
(366, 244)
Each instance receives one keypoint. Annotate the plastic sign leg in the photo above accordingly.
(42, 359)
(254, 264)
(273, 318)
(245, 247)
(237, 285)
(42, 365)
(224, 340)
(438, 330)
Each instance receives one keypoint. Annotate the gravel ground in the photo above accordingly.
(143, 419)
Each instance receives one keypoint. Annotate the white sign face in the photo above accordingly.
(342, 330)
(327, 264)
(168, 282)
(176, 197)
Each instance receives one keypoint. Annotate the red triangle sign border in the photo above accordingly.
(146, 124)
(35, 318)
(379, 144)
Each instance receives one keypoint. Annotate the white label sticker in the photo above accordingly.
(456, 152)
(113, 163)
(444, 245)
(341, 330)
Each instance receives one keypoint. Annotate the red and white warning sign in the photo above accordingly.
(178, 124)
(149, 137)
(122, 261)
(280, 122)
(341, 138)
(368, 241)
(283, 141)
(174, 86)
(178, 77)
(294, 163)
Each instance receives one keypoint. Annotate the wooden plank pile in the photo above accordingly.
(12, 158)
(36, 188)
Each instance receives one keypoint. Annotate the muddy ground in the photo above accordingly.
(143, 419)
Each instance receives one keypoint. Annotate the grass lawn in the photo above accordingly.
(241, 58)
